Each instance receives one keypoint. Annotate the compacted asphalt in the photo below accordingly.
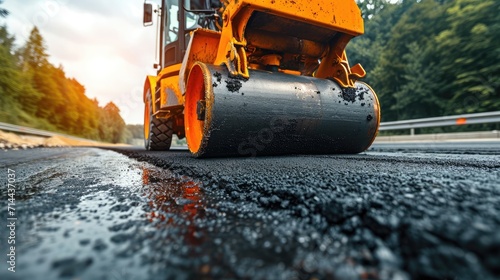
(411, 211)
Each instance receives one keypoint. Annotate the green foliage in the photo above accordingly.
(35, 93)
(33, 54)
(431, 57)
(11, 83)
(132, 133)
(111, 124)
(3, 12)
(136, 130)
(470, 51)
(369, 8)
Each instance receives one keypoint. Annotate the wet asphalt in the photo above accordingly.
(420, 211)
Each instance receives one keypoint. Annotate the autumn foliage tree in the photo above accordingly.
(35, 93)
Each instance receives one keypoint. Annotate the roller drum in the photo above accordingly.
(274, 113)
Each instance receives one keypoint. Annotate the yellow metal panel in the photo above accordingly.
(170, 85)
(169, 77)
(340, 15)
(150, 83)
(170, 70)
(202, 47)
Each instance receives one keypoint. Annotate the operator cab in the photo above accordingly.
(178, 19)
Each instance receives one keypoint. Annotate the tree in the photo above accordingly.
(6, 40)
(35, 93)
(3, 12)
(68, 108)
(18, 98)
(9, 78)
(419, 24)
(34, 54)
(431, 57)
(111, 125)
(417, 97)
(43, 75)
(469, 50)
(370, 8)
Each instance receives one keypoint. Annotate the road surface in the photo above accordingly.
(395, 212)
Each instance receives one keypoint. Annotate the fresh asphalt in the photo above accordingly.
(398, 211)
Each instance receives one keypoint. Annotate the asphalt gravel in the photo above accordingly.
(132, 214)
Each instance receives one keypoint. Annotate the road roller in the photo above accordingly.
(258, 77)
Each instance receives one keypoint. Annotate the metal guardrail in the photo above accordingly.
(37, 132)
(478, 118)
(25, 130)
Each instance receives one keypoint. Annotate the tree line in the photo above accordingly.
(428, 58)
(35, 93)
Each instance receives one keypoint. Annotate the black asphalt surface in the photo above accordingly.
(404, 212)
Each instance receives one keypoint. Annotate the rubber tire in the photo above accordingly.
(160, 130)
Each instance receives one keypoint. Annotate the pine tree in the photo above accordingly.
(33, 54)
(3, 12)
(18, 98)
(34, 60)
(9, 78)
(469, 52)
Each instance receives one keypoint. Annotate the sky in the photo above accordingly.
(100, 43)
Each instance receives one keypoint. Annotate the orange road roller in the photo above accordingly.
(258, 77)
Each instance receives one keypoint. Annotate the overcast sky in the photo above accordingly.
(101, 43)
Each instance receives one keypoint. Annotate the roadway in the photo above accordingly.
(398, 211)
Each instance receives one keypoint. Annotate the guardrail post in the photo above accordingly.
(412, 131)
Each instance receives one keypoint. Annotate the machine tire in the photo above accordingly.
(157, 132)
